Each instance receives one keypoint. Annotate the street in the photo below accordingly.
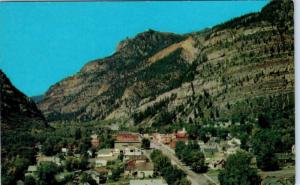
(196, 179)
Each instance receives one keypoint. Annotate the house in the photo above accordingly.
(147, 182)
(102, 161)
(104, 156)
(180, 135)
(127, 142)
(139, 170)
(132, 152)
(41, 158)
(32, 169)
(64, 151)
(163, 138)
(138, 158)
(105, 153)
(144, 170)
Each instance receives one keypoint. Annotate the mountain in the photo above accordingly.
(17, 110)
(240, 68)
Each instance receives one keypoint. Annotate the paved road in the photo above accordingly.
(196, 179)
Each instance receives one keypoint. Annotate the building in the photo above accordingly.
(180, 135)
(171, 139)
(104, 156)
(127, 142)
(64, 151)
(41, 158)
(139, 158)
(32, 169)
(139, 169)
(148, 182)
(132, 152)
(105, 153)
(102, 161)
(163, 138)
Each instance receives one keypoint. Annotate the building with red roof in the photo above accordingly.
(128, 142)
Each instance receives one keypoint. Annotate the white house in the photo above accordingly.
(40, 159)
(105, 153)
(32, 169)
(64, 151)
(104, 156)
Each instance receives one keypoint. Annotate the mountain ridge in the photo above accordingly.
(197, 76)
(17, 110)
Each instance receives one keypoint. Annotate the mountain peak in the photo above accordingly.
(147, 42)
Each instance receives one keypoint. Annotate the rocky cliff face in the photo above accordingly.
(242, 67)
(17, 110)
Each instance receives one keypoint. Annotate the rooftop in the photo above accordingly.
(141, 166)
(127, 138)
(32, 168)
(107, 158)
(138, 157)
(144, 166)
(147, 182)
(105, 151)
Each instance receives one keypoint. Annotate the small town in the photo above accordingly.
(132, 160)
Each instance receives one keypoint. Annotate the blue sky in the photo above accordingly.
(42, 43)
